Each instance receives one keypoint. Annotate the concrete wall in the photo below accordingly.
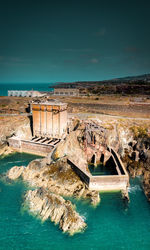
(24, 93)
(66, 92)
(15, 143)
(102, 183)
(108, 183)
(79, 172)
(49, 116)
(30, 147)
(39, 149)
(36, 120)
(43, 120)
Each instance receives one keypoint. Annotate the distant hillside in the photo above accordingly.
(141, 79)
(125, 86)
(145, 78)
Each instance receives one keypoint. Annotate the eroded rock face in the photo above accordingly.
(48, 205)
(15, 125)
(72, 148)
(146, 184)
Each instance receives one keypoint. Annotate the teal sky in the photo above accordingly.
(50, 41)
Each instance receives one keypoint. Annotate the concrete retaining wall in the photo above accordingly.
(14, 143)
(79, 172)
(30, 147)
(102, 183)
(36, 148)
(108, 183)
(66, 91)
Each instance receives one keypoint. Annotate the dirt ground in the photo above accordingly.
(125, 106)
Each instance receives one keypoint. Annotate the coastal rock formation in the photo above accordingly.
(137, 157)
(146, 184)
(15, 172)
(13, 125)
(5, 150)
(58, 177)
(72, 148)
(48, 205)
(54, 181)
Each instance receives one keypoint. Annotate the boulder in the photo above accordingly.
(15, 172)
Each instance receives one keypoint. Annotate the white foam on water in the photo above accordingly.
(10, 162)
(84, 216)
(134, 189)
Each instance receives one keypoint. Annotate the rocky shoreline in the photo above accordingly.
(54, 207)
(52, 181)
(53, 177)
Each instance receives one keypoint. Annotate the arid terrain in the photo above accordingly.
(105, 104)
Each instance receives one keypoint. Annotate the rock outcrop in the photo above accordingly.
(72, 148)
(15, 172)
(14, 125)
(146, 184)
(5, 150)
(58, 177)
(48, 205)
(10, 126)
(54, 181)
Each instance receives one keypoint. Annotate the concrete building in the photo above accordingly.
(25, 93)
(66, 91)
(49, 119)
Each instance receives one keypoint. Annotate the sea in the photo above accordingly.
(111, 225)
(4, 87)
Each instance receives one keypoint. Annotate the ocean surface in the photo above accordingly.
(4, 87)
(111, 225)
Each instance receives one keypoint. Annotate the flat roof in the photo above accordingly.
(51, 102)
(67, 89)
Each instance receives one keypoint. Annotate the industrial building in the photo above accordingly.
(49, 119)
(25, 93)
(66, 91)
(49, 128)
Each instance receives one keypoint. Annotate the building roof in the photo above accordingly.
(49, 102)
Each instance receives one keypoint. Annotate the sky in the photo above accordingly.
(58, 41)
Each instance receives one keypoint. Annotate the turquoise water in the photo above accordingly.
(100, 169)
(112, 225)
(23, 86)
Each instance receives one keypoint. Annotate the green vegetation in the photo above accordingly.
(139, 132)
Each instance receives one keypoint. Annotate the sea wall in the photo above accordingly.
(102, 183)
(79, 172)
(30, 147)
(108, 183)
